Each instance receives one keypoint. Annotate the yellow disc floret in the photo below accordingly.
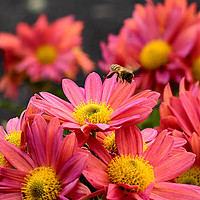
(2, 159)
(109, 143)
(131, 170)
(41, 183)
(155, 54)
(46, 54)
(196, 69)
(191, 176)
(14, 137)
(92, 111)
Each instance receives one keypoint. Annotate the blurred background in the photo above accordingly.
(100, 18)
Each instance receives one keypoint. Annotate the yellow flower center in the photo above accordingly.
(93, 111)
(131, 171)
(2, 159)
(46, 54)
(15, 138)
(41, 183)
(110, 144)
(155, 54)
(196, 69)
(191, 176)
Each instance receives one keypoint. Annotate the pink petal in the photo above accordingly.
(171, 191)
(167, 94)
(97, 177)
(79, 191)
(36, 137)
(195, 146)
(173, 166)
(115, 192)
(53, 111)
(58, 102)
(12, 177)
(73, 168)
(149, 134)
(68, 188)
(18, 158)
(2, 133)
(129, 141)
(162, 77)
(121, 93)
(108, 87)
(181, 115)
(8, 41)
(11, 196)
(68, 149)
(190, 109)
(98, 148)
(93, 87)
(72, 92)
(53, 144)
(13, 124)
(185, 41)
(160, 148)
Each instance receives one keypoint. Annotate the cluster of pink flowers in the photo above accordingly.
(91, 144)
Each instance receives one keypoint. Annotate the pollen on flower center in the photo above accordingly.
(155, 54)
(191, 176)
(131, 170)
(14, 137)
(109, 143)
(41, 183)
(46, 54)
(92, 111)
(196, 69)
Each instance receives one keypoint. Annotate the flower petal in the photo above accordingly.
(172, 191)
(18, 158)
(173, 166)
(72, 92)
(98, 148)
(93, 87)
(129, 141)
(73, 168)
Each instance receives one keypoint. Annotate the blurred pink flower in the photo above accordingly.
(52, 168)
(138, 174)
(155, 40)
(51, 51)
(97, 107)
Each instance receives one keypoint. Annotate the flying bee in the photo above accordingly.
(123, 74)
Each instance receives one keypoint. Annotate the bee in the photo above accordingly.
(123, 74)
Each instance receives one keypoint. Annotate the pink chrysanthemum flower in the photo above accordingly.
(138, 174)
(52, 168)
(157, 38)
(182, 114)
(51, 51)
(97, 107)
